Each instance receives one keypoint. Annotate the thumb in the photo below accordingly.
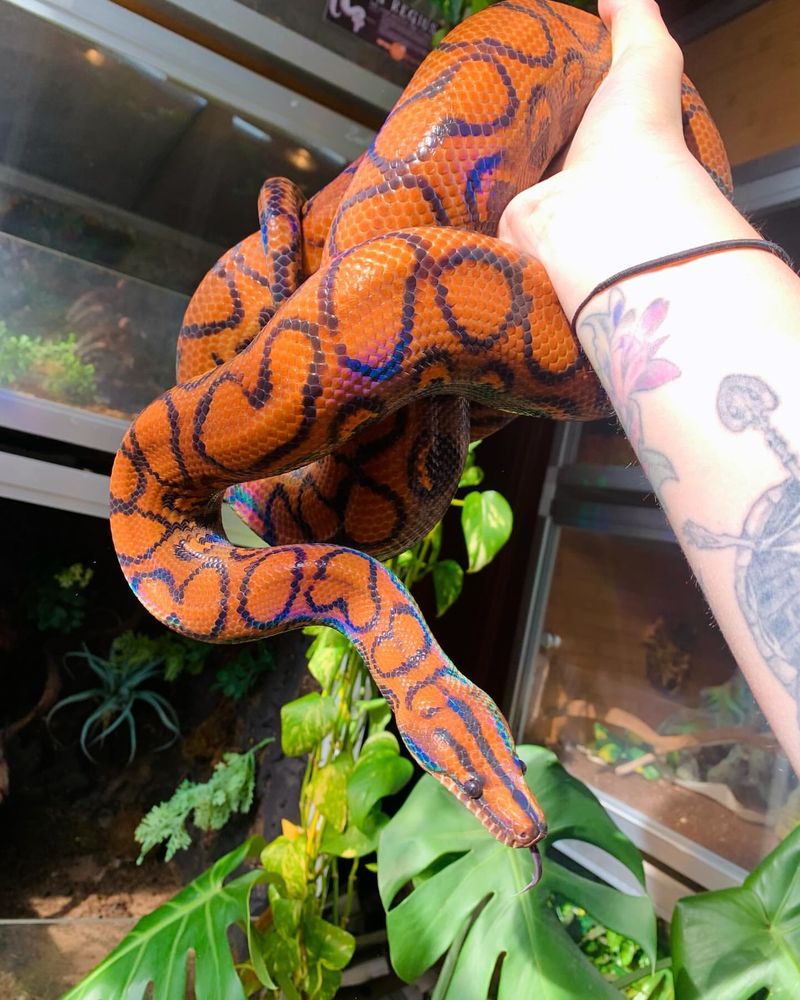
(633, 24)
(640, 96)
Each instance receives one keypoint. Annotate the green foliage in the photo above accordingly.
(656, 985)
(326, 654)
(297, 937)
(379, 771)
(353, 764)
(174, 653)
(486, 524)
(306, 721)
(76, 575)
(618, 749)
(453, 12)
(448, 581)
(196, 921)
(736, 942)
(58, 603)
(476, 881)
(31, 363)
(611, 953)
(300, 944)
(228, 790)
(472, 474)
(486, 521)
(119, 692)
(17, 355)
(346, 791)
(237, 678)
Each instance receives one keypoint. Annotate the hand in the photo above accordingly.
(629, 190)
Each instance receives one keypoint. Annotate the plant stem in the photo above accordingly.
(260, 746)
(637, 974)
(342, 740)
(348, 902)
(335, 874)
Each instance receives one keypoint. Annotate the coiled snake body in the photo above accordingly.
(336, 363)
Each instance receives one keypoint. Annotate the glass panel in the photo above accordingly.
(602, 442)
(308, 20)
(43, 959)
(119, 187)
(782, 226)
(81, 334)
(643, 701)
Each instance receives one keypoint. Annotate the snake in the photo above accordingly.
(335, 364)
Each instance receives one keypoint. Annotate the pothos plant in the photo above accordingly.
(298, 941)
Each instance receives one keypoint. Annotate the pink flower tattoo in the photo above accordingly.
(625, 347)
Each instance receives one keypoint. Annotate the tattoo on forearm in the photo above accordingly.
(767, 575)
(625, 345)
(767, 559)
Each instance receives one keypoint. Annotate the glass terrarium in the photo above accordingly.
(623, 671)
(626, 676)
(130, 159)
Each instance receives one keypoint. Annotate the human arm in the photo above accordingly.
(682, 350)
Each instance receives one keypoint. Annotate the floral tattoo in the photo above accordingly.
(625, 345)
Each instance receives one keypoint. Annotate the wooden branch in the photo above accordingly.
(52, 688)
(621, 719)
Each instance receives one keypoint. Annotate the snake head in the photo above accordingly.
(459, 735)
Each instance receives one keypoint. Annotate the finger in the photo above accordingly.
(640, 97)
(642, 47)
(633, 23)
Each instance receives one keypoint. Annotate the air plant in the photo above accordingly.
(119, 691)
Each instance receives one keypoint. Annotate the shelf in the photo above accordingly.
(151, 45)
(283, 48)
(130, 158)
(46, 484)
(617, 519)
(686, 857)
(59, 422)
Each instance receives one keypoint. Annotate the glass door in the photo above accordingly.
(626, 677)
(130, 159)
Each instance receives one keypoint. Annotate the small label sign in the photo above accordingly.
(401, 30)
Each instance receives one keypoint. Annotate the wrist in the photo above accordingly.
(674, 259)
(584, 231)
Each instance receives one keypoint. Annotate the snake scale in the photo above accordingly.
(333, 366)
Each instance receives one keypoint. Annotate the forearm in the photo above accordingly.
(700, 361)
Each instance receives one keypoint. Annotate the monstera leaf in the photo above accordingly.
(466, 895)
(196, 920)
(737, 942)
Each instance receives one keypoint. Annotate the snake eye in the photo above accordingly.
(473, 787)
(521, 765)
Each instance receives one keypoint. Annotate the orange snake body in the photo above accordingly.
(336, 363)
